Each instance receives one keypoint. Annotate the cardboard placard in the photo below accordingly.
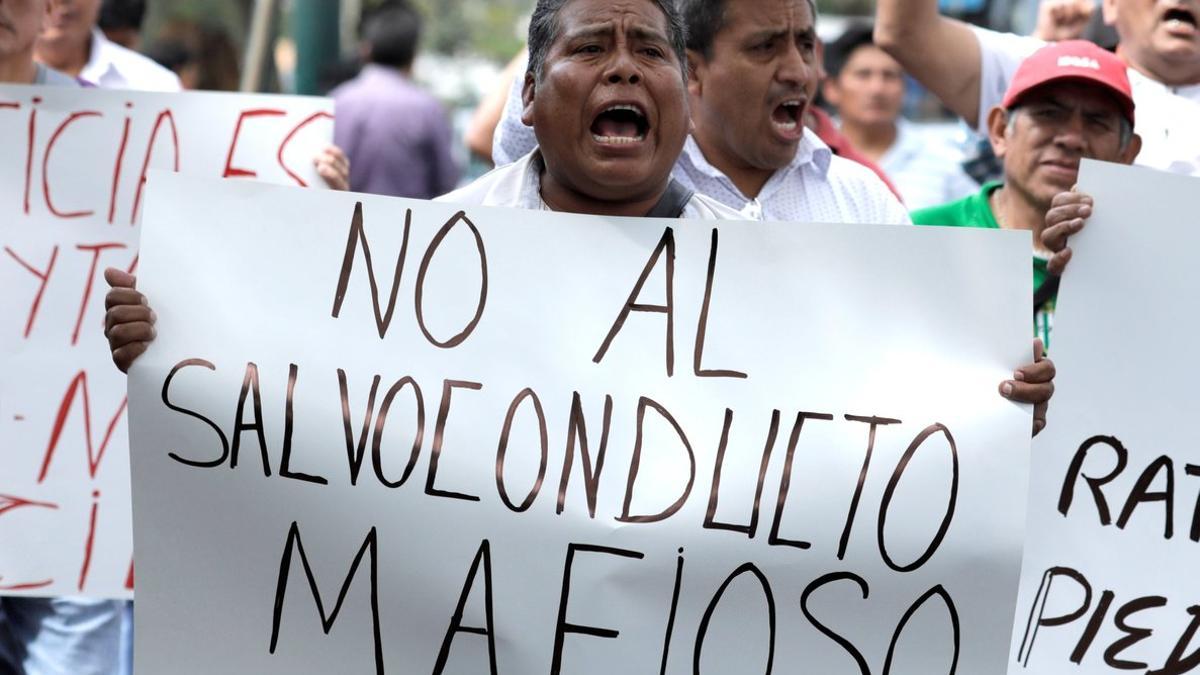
(1109, 583)
(387, 435)
(71, 194)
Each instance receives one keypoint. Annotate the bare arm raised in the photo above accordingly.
(940, 52)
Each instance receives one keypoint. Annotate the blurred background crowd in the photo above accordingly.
(463, 55)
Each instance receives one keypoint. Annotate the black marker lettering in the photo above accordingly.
(483, 555)
(842, 642)
(249, 386)
(1141, 494)
(357, 236)
(381, 420)
(667, 243)
(460, 337)
(1094, 484)
(890, 491)
(439, 432)
(166, 399)
(288, 423)
(941, 593)
(635, 462)
(710, 517)
(355, 457)
(702, 326)
(1177, 663)
(745, 568)
(502, 451)
(577, 428)
(369, 548)
(666, 653)
(862, 477)
(785, 481)
(1133, 635)
(562, 626)
(1037, 612)
(1093, 627)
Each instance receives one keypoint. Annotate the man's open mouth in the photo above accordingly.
(1179, 17)
(786, 115)
(621, 123)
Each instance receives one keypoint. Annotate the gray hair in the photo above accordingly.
(544, 29)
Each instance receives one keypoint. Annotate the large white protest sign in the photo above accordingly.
(71, 190)
(378, 435)
(1109, 582)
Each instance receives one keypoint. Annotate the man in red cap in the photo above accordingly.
(1067, 101)
(969, 67)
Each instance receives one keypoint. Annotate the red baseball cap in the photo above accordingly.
(1072, 60)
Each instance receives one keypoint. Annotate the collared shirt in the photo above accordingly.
(1166, 116)
(519, 185)
(49, 76)
(927, 171)
(396, 136)
(111, 66)
(513, 139)
(816, 187)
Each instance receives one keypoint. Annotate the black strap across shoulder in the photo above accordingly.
(673, 201)
(1045, 292)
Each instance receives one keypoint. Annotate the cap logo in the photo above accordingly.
(1078, 62)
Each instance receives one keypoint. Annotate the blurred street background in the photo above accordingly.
(311, 46)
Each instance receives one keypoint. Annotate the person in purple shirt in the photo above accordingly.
(396, 134)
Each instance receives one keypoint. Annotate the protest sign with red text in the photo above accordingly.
(72, 189)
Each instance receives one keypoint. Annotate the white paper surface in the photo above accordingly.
(70, 191)
(893, 322)
(1118, 594)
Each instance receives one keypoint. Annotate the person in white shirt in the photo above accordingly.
(754, 70)
(605, 99)
(867, 88)
(803, 180)
(73, 44)
(969, 68)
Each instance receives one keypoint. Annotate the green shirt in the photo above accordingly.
(975, 211)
